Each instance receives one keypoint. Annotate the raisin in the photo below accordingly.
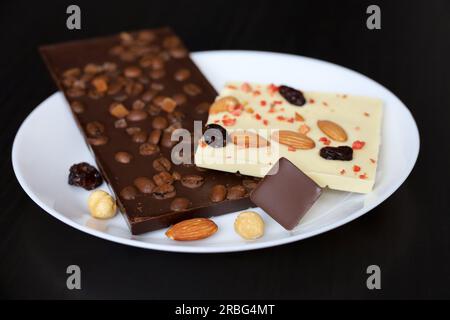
(84, 175)
(215, 135)
(292, 95)
(344, 153)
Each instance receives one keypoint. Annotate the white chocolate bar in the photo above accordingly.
(262, 107)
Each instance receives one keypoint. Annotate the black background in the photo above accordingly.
(408, 235)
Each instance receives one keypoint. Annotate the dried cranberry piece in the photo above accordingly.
(84, 175)
(215, 135)
(292, 95)
(344, 153)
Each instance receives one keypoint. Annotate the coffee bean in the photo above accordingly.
(182, 74)
(146, 35)
(154, 136)
(176, 176)
(137, 115)
(98, 141)
(139, 137)
(144, 184)
(175, 117)
(162, 164)
(236, 192)
(92, 68)
(153, 110)
(146, 61)
(157, 63)
(72, 72)
(192, 181)
(202, 107)
(148, 95)
(138, 105)
(157, 74)
(159, 123)
(95, 129)
(133, 130)
(109, 67)
(180, 98)
(157, 86)
(123, 157)
(168, 105)
(148, 149)
(178, 53)
(218, 193)
(165, 191)
(249, 184)
(75, 93)
(77, 107)
(120, 124)
(180, 204)
(128, 193)
(166, 140)
(171, 42)
(192, 89)
(158, 101)
(114, 88)
(134, 88)
(163, 178)
(132, 72)
(127, 56)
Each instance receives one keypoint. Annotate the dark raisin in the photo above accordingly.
(292, 95)
(215, 135)
(84, 175)
(344, 153)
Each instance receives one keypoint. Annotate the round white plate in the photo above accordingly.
(49, 142)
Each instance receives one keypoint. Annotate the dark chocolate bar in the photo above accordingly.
(128, 93)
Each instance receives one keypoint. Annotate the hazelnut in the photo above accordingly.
(101, 205)
(249, 225)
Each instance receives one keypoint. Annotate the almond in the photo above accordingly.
(332, 130)
(293, 139)
(192, 229)
(223, 104)
(248, 139)
(118, 110)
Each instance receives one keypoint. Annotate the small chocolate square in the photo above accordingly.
(286, 194)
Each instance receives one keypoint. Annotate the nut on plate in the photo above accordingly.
(249, 225)
(192, 229)
(101, 205)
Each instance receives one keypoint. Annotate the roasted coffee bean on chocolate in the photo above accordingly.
(236, 192)
(77, 107)
(137, 115)
(215, 135)
(148, 95)
(132, 72)
(182, 74)
(153, 110)
(148, 149)
(178, 53)
(139, 137)
(95, 129)
(192, 89)
(192, 181)
(180, 98)
(157, 74)
(176, 117)
(123, 157)
(138, 105)
(85, 176)
(180, 204)
(133, 130)
(162, 164)
(159, 123)
(98, 141)
(165, 191)
(144, 185)
(163, 178)
(134, 88)
(72, 72)
(157, 86)
(155, 136)
(120, 124)
(218, 193)
(128, 193)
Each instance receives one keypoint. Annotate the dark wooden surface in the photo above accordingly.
(408, 235)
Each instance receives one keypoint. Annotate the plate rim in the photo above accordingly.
(245, 246)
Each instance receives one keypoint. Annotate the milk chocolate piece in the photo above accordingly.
(141, 71)
(287, 194)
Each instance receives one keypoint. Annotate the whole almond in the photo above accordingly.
(192, 229)
(223, 104)
(332, 130)
(248, 139)
(293, 139)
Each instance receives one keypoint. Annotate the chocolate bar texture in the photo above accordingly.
(128, 93)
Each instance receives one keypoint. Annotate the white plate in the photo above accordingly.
(48, 143)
